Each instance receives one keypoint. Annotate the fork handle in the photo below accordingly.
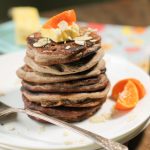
(103, 142)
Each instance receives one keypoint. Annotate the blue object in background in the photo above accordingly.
(7, 38)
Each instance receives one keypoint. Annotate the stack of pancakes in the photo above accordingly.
(66, 80)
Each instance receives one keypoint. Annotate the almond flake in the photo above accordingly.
(79, 42)
(93, 40)
(42, 42)
(92, 30)
(83, 38)
(68, 47)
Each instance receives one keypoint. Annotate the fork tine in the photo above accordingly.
(3, 107)
(6, 112)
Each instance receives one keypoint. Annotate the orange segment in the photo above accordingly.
(140, 87)
(118, 88)
(128, 98)
(68, 16)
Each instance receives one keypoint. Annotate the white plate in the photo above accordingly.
(123, 139)
(25, 133)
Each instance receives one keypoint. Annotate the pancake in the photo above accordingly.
(84, 85)
(67, 79)
(47, 99)
(64, 69)
(86, 103)
(27, 74)
(56, 53)
(68, 114)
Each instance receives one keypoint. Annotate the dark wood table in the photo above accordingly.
(125, 12)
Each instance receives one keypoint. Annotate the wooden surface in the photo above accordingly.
(125, 12)
(130, 12)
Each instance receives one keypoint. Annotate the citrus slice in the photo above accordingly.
(140, 88)
(119, 86)
(68, 16)
(128, 98)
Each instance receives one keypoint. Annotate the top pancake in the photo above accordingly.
(56, 53)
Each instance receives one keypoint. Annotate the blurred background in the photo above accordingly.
(123, 24)
(126, 12)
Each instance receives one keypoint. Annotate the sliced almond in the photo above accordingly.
(68, 47)
(93, 40)
(83, 38)
(92, 30)
(42, 42)
(79, 42)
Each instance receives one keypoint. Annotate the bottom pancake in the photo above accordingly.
(68, 114)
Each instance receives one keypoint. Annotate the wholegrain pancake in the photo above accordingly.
(86, 103)
(68, 114)
(56, 53)
(27, 74)
(90, 103)
(84, 85)
(64, 69)
(62, 98)
(66, 80)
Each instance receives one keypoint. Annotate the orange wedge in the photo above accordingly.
(118, 88)
(128, 98)
(140, 88)
(68, 16)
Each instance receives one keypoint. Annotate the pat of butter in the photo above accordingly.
(62, 33)
(26, 22)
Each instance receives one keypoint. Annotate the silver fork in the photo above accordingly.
(105, 143)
